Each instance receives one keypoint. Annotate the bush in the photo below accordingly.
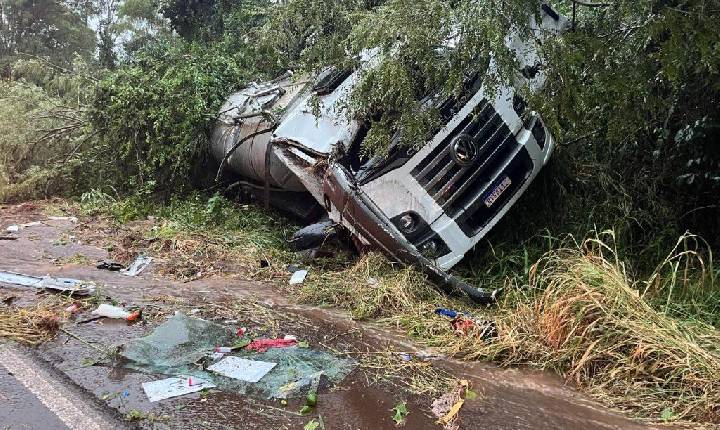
(153, 117)
(43, 128)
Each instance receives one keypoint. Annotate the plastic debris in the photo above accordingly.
(114, 312)
(63, 285)
(290, 337)
(72, 308)
(138, 266)
(223, 349)
(242, 369)
(17, 227)
(174, 387)
(447, 313)
(463, 323)
(298, 277)
(111, 266)
(72, 219)
(262, 345)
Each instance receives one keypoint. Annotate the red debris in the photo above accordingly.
(262, 345)
(462, 325)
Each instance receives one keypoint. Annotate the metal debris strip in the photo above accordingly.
(184, 345)
(63, 285)
(242, 369)
(174, 387)
(138, 266)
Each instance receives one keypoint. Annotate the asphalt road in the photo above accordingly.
(34, 397)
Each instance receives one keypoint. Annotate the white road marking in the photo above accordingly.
(73, 411)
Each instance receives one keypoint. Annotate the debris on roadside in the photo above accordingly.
(17, 227)
(72, 219)
(8, 238)
(114, 312)
(447, 407)
(174, 387)
(242, 369)
(63, 285)
(110, 266)
(73, 309)
(464, 323)
(298, 277)
(262, 345)
(315, 424)
(138, 266)
(185, 345)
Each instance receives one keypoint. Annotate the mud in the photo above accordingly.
(511, 399)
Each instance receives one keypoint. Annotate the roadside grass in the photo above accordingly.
(646, 345)
(193, 237)
(578, 314)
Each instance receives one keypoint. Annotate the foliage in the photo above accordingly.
(42, 129)
(155, 114)
(46, 28)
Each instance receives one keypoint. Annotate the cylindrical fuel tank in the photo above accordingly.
(248, 112)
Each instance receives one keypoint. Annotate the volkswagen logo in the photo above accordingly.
(464, 150)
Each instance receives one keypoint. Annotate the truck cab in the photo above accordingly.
(426, 205)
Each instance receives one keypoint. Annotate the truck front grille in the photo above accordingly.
(479, 214)
(455, 187)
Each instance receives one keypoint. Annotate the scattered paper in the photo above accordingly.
(174, 387)
(298, 277)
(242, 369)
(141, 263)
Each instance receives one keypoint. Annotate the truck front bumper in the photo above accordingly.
(346, 202)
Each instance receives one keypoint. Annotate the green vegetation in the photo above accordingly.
(121, 120)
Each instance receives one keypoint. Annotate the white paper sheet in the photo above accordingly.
(242, 369)
(174, 387)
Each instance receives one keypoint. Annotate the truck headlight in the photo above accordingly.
(433, 248)
(407, 223)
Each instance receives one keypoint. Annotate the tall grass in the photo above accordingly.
(580, 315)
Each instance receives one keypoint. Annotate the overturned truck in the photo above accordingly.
(426, 205)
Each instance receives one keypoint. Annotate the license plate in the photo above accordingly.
(498, 191)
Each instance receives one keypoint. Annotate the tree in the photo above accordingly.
(45, 28)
